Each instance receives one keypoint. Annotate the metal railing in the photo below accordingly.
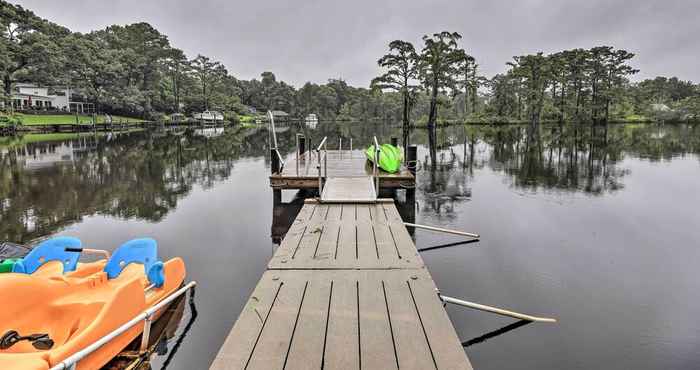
(71, 362)
(376, 166)
(273, 140)
(325, 163)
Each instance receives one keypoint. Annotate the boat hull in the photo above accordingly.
(76, 310)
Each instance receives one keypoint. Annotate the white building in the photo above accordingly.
(30, 96)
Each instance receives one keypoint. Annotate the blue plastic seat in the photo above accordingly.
(143, 251)
(50, 250)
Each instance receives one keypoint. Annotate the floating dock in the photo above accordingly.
(302, 172)
(346, 289)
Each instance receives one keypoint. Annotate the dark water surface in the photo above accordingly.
(596, 227)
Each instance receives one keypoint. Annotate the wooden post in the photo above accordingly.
(302, 146)
(411, 157)
(275, 169)
(276, 196)
(274, 162)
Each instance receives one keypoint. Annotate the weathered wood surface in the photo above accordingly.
(348, 189)
(346, 289)
(303, 173)
(347, 236)
(343, 319)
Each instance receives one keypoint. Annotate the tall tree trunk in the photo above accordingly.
(561, 103)
(474, 88)
(594, 100)
(7, 80)
(406, 122)
(466, 90)
(432, 117)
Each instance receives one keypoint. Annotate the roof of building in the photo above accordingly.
(23, 95)
(279, 113)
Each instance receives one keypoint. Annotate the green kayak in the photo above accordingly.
(6, 265)
(390, 157)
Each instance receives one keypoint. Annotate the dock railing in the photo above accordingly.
(273, 139)
(325, 163)
(146, 316)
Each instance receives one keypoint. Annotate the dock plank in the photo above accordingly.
(346, 319)
(307, 347)
(343, 327)
(236, 350)
(346, 289)
(376, 337)
(348, 189)
(332, 238)
(275, 338)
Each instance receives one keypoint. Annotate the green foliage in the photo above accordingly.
(439, 65)
(133, 70)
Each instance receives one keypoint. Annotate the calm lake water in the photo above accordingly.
(596, 227)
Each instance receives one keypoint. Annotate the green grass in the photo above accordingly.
(65, 119)
(12, 141)
(247, 118)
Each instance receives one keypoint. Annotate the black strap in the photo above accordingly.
(40, 341)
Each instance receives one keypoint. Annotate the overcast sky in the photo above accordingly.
(315, 40)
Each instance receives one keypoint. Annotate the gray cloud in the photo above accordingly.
(319, 39)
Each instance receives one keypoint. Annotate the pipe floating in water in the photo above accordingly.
(496, 310)
(441, 230)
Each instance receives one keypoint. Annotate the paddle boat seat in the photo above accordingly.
(53, 249)
(143, 251)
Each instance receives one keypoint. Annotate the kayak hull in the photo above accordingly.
(390, 157)
(76, 310)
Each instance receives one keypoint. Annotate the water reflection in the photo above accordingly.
(48, 185)
(569, 158)
(48, 182)
(495, 333)
(45, 186)
(164, 331)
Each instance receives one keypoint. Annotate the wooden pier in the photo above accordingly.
(301, 172)
(346, 289)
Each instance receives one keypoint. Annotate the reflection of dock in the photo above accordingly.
(345, 289)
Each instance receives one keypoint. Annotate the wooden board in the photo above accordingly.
(343, 319)
(347, 236)
(348, 189)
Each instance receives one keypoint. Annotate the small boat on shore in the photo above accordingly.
(209, 116)
(54, 306)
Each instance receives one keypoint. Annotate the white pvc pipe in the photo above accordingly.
(441, 230)
(496, 310)
(73, 359)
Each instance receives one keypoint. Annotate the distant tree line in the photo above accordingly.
(134, 70)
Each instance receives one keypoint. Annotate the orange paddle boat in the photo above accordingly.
(54, 306)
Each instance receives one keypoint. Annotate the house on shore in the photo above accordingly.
(28, 96)
(280, 116)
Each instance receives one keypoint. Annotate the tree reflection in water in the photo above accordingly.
(49, 185)
(550, 158)
(45, 186)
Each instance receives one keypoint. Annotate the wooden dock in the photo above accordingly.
(346, 289)
(302, 172)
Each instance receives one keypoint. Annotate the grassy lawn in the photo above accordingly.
(248, 118)
(64, 119)
(12, 141)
